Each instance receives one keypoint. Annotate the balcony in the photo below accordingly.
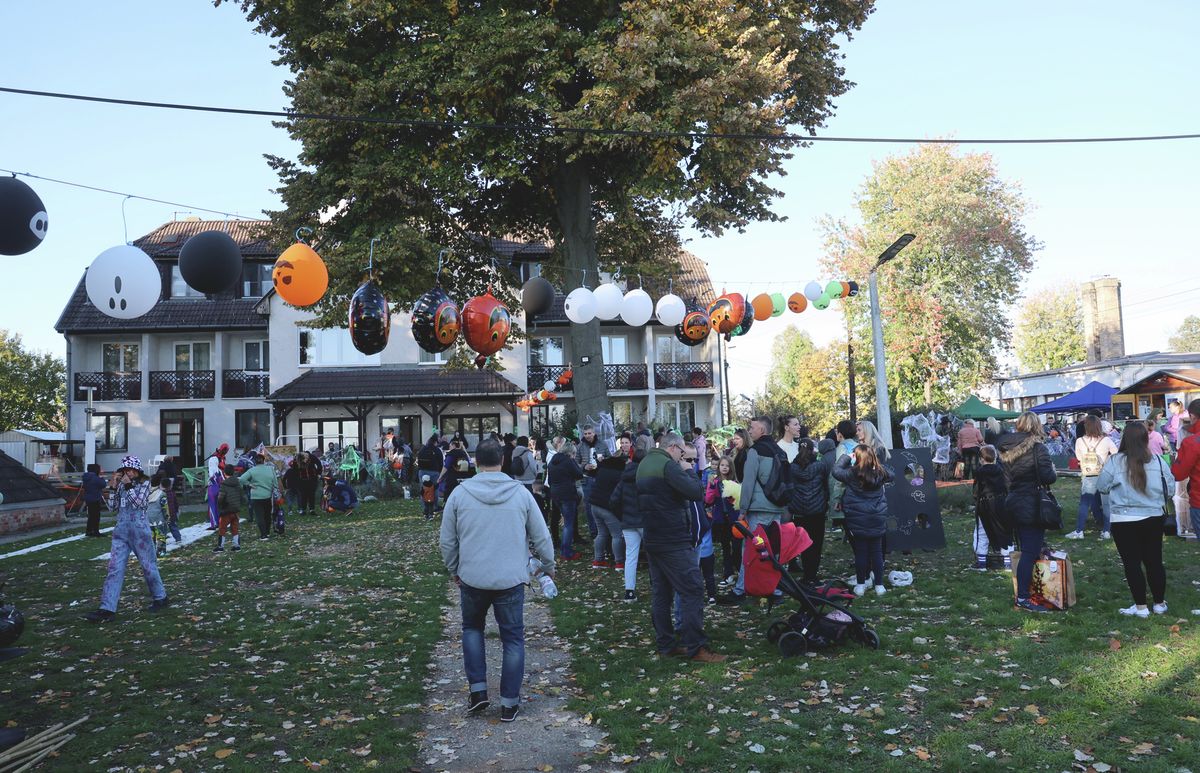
(245, 383)
(683, 375)
(183, 384)
(616, 377)
(109, 386)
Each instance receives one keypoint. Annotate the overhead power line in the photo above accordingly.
(420, 123)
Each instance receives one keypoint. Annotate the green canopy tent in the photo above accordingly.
(974, 408)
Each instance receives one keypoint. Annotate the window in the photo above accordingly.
(256, 279)
(317, 434)
(182, 434)
(546, 420)
(671, 349)
(180, 288)
(546, 351)
(111, 431)
(614, 349)
(120, 358)
(679, 415)
(252, 427)
(473, 428)
(258, 355)
(622, 415)
(436, 358)
(193, 355)
(405, 427)
(331, 346)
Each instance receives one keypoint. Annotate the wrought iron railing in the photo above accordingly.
(245, 383)
(183, 384)
(109, 386)
(683, 375)
(616, 377)
(540, 374)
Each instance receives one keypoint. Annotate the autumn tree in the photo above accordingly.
(33, 387)
(1049, 330)
(812, 382)
(944, 298)
(500, 93)
(1187, 336)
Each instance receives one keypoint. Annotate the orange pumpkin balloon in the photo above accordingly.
(763, 307)
(300, 276)
(485, 325)
(726, 312)
(845, 289)
(797, 302)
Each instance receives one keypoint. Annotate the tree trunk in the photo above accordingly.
(573, 193)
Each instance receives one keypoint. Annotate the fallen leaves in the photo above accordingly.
(222, 753)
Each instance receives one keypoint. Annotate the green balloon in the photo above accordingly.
(822, 302)
(833, 289)
(778, 304)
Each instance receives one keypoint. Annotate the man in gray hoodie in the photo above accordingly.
(488, 524)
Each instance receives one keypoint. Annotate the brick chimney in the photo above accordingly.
(1103, 327)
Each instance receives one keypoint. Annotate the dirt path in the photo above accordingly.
(544, 734)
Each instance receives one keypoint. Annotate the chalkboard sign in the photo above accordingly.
(914, 515)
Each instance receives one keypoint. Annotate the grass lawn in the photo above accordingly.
(309, 649)
(961, 680)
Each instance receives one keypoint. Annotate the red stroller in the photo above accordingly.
(822, 620)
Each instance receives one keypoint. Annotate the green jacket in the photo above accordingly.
(261, 480)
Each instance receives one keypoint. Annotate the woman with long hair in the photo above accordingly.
(1092, 450)
(865, 509)
(1136, 481)
(739, 447)
(809, 503)
(1029, 467)
(868, 435)
(562, 472)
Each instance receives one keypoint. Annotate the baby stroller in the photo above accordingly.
(824, 618)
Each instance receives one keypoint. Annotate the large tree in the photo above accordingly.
(541, 70)
(812, 382)
(33, 387)
(1187, 337)
(1049, 331)
(944, 298)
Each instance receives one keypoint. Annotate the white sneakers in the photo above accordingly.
(880, 590)
(860, 590)
(1105, 535)
(1133, 611)
(1160, 609)
(1073, 535)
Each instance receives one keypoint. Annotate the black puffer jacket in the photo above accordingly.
(810, 489)
(562, 472)
(624, 499)
(665, 491)
(608, 475)
(1029, 467)
(865, 506)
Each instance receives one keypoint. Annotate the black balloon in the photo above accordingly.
(210, 262)
(23, 219)
(695, 326)
(370, 320)
(747, 321)
(12, 624)
(435, 321)
(853, 289)
(537, 296)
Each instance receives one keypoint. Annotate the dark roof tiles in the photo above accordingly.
(20, 485)
(392, 383)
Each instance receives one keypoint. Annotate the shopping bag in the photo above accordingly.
(1053, 583)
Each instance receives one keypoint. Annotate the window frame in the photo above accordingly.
(122, 346)
(361, 360)
(537, 352)
(343, 439)
(177, 281)
(264, 280)
(606, 347)
(237, 427)
(264, 355)
(108, 416)
(191, 345)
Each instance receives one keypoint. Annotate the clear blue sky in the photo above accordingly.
(924, 68)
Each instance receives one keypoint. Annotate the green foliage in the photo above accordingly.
(943, 299)
(600, 200)
(1187, 337)
(1049, 330)
(33, 387)
(812, 383)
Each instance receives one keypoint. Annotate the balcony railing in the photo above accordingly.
(183, 384)
(244, 383)
(109, 386)
(683, 375)
(616, 377)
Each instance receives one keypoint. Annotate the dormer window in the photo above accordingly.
(256, 279)
(180, 288)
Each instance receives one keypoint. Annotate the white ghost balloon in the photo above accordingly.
(608, 301)
(670, 310)
(636, 308)
(123, 282)
(580, 306)
(813, 290)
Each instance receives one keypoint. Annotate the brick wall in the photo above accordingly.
(31, 515)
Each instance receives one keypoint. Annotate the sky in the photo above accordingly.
(923, 69)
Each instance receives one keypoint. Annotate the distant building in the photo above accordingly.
(26, 501)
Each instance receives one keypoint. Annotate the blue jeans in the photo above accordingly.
(608, 534)
(569, 508)
(1094, 503)
(671, 572)
(588, 484)
(633, 548)
(1030, 540)
(508, 606)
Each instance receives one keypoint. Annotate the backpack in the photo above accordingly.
(778, 486)
(522, 462)
(1089, 462)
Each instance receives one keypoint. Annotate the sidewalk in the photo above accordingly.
(78, 521)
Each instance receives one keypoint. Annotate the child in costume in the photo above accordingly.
(157, 515)
(230, 502)
(992, 533)
(428, 495)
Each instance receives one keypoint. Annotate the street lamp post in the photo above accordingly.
(883, 410)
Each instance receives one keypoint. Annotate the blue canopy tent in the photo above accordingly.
(1094, 395)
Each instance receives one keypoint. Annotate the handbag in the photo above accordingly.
(1170, 524)
(1049, 511)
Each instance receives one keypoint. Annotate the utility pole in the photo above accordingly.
(850, 368)
(883, 407)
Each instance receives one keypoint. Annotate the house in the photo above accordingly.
(26, 501)
(33, 447)
(184, 377)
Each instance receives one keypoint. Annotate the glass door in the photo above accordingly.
(182, 436)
